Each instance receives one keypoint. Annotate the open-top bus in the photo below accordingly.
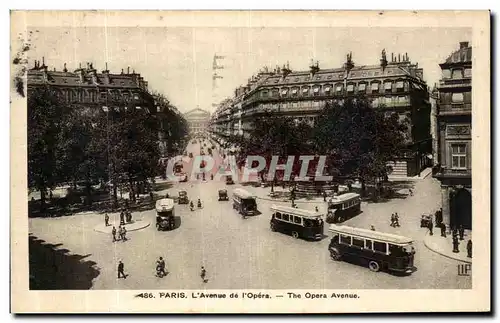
(342, 207)
(244, 202)
(297, 222)
(380, 250)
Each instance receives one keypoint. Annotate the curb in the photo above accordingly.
(286, 201)
(442, 253)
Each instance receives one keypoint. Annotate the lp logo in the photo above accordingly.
(464, 269)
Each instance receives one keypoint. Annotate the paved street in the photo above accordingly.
(243, 253)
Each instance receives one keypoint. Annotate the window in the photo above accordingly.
(350, 88)
(328, 88)
(278, 215)
(338, 88)
(305, 90)
(468, 72)
(458, 156)
(401, 99)
(376, 102)
(446, 74)
(329, 77)
(318, 77)
(400, 86)
(358, 242)
(368, 244)
(294, 91)
(457, 97)
(375, 87)
(380, 247)
(286, 217)
(345, 239)
(297, 220)
(265, 94)
(388, 86)
(362, 87)
(102, 95)
(284, 91)
(457, 74)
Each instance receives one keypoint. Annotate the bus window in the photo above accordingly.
(380, 247)
(368, 244)
(286, 217)
(308, 223)
(297, 220)
(395, 250)
(345, 239)
(278, 215)
(358, 242)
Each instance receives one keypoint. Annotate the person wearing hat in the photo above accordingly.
(121, 268)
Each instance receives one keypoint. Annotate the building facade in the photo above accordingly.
(396, 86)
(198, 121)
(87, 87)
(454, 115)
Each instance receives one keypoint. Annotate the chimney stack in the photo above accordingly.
(464, 44)
(128, 69)
(399, 57)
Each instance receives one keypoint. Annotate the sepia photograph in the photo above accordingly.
(249, 157)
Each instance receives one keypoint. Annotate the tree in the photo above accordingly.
(357, 139)
(44, 126)
(272, 135)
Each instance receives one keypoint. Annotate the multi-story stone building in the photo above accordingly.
(397, 86)
(198, 120)
(85, 86)
(90, 91)
(454, 139)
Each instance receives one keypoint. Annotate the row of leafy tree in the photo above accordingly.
(357, 139)
(116, 144)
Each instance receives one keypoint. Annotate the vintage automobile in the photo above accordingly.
(229, 180)
(425, 220)
(183, 198)
(165, 214)
(223, 195)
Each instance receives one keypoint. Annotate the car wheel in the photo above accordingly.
(335, 254)
(374, 266)
(273, 227)
(295, 234)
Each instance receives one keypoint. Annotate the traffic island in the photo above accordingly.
(444, 246)
(132, 226)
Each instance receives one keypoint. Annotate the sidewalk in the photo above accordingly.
(423, 174)
(444, 246)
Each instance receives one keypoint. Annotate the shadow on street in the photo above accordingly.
(51, 268)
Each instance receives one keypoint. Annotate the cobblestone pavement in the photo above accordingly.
(245, 253)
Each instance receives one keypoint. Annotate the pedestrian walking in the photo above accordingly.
(324, 196)
(121, 270)
(411, 191)
(203, 274)
(455, 244)
(372, 228)
(160, 268)
(392, 220)
(316, 209)
(124, 234)
(442, 226)
(430, 227)
(469, 249)
(113, 232)
(106, 219)
(461, 232)
(396, 219)
(122, 217)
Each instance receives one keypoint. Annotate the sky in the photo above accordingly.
(177, 61)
